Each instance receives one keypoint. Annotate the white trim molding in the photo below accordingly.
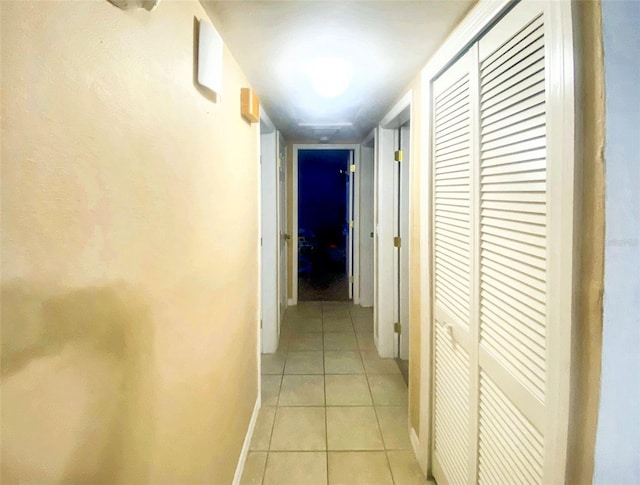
(242, 459)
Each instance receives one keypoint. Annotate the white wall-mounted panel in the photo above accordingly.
(210, 50)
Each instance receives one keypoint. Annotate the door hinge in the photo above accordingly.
(260, 323)
(397, 241)
(352, 168)
(398, 155)
(397, 328)
(260, 241)
(351, 224)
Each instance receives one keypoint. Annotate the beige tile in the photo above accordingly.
(365, 341)
(343, 362)
(254, 468)
(272, 363)
(388, 390)
(405, 468)
(353, 428)
(305, 341)
(340, 341)
(306, 324)
(262, 432)
(359, 468)
(298, 390)
(304, 309)
(297, 468)
(362, 325)
(299, 428)
(358, 310)
(337, 313)
(347, 390)
(336, 305)
(337, 324)
(304, 362)
(374, 364)
(394, 426)
(270, 390)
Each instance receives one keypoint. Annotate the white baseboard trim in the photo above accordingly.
(291, 302)
(247, 441)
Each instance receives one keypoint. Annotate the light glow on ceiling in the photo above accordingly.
(330, 76)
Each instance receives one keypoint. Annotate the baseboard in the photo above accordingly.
(291, 302)
(247, 442)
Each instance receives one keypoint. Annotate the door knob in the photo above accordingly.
(286, 237)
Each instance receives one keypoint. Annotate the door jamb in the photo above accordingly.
(385, 340)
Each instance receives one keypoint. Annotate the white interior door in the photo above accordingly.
(269, 240)
(283, 230)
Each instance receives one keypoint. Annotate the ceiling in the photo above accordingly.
(371, 49)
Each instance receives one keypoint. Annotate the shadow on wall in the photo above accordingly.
(76, 384)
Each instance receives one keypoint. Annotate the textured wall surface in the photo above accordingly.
(129, 249)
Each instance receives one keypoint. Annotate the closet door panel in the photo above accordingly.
(452, 152)
(513, 243)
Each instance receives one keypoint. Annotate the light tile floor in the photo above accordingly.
(333, 412)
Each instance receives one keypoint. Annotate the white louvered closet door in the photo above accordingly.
(503, 223)
(453, 206)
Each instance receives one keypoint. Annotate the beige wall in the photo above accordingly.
(129, 250)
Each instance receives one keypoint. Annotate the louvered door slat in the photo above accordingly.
(524, 115)
(507, 250)
(522, 71)
(509, 92)
(506, 49)
(508, 131)
(515, 167)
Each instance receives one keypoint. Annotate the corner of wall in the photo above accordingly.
(587, 339)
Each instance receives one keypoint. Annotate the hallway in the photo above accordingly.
(332, 410)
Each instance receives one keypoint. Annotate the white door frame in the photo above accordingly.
(384, 313)
(269, 236)
(356, 211)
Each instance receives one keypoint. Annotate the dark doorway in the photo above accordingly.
(323, 204)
